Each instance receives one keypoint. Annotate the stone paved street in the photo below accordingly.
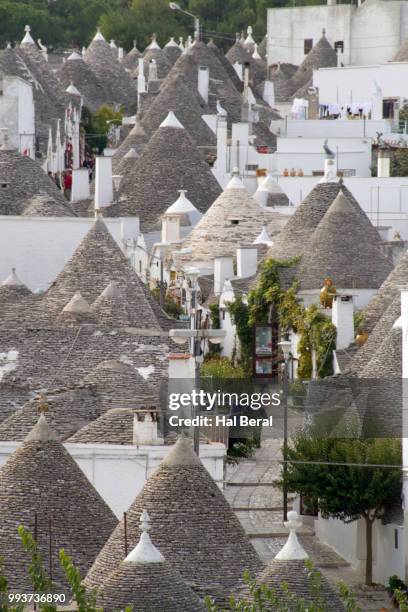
(258, 506)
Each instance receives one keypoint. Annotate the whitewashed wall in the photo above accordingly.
(38, 247)
(119, 472)
(348, 540)
(17, 114)
(318, 128)
(357, 27)
(308, 154)
(357, 83)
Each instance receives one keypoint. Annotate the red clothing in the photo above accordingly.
(68, 181)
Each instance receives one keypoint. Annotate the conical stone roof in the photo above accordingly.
(94, 263)
(169, 162)
(322, 55)
(117, 82)
(228, 67)
(41, 479)
(136, 139)
(184, 503)
(296, 235)
(121, 384)
(342, 249)
(91, 87)
(147, 582)
(28, 190)
(68, 412)
(171, 51)
(159, 57)
(174, 93)
(234, 219)
(131, 59)
(388, 292)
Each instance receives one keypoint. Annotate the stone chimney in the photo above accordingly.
(247, 261)
(80, 184)
(223, 270)
(203, 82)
(103, 181)
(343, 319)
(182, 365)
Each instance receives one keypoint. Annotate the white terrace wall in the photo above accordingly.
(38, 247)
(118, 473)
(357, 83)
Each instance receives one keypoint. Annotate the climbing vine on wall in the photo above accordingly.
(268, 299)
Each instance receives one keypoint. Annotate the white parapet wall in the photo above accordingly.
(118, 472)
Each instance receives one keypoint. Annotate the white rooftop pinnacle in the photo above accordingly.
(111, 291)
(249, 39)
(112, 44)
(145, 551)
(255, 54)
(77, 304)
(71, 89)
(131, 154)
(98, 35)
(41, 432)
(172, 121)
(181, 44)
(12, 280)
(235, 182)
(182, 205)
(75, 56)
(263, 238)
(270, 185)
(153, 44)
(28, 39)
(171, 43)
(293, 550)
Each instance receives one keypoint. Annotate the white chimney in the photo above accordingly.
(145, 429)
(171, 228)
(247, 261)
(383, 164)
(80, 184)
(103, 181)
(203, 82)
(269, 93)
(343, 319)
(182, 365)
(141, 81)
(330, 172)
(223, 270)
(120, 54)
(222, 145)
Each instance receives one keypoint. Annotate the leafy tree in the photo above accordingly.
(263, 597)
(342, 479)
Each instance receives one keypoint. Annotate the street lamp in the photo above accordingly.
(176, 7)
(285, 346)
